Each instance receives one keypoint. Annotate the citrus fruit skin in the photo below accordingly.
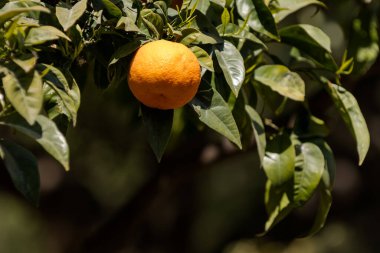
(164, 75)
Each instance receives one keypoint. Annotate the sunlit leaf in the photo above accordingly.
(203, 57)
(39, 35)
(287, 7)
(280, 79)
(67, 16)
(350, 111)
(25, 93)
(215, 113)
(259, 131)
(232, 64)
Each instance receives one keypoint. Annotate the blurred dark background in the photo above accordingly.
(205, 196)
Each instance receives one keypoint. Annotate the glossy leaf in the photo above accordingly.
(232, 64)
(23, 169)
(279, 159)
(287, 7)
(308, 174)
(235, 31)
(280, 79)
(258, 130)
(25, 93)
(328, 176)
(158, 124)
(67, 17)
(203, 57)
(265, 17)
(39, 35)
(111, 8)
(350, 111)
(312, 41)
(215, 113)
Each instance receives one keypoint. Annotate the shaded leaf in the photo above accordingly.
(39, 35)
(158, 124)
(124, 51)
(25, 93)
(328, 176)
(287, 7)
(280, 79)
(67, 17)
(235, 31)
(232, 64)
(258, 130)
(25, 61)
(23, 169)
(265, 17)
(312, 41)
(46, 133)
(8, 13)
(350, 111)
(325, 201)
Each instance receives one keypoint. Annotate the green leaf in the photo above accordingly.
(8, 13)
(203, 57)
(225, 18)
(124, 51)
(247, 10)
(279, 159)
(25, 61)
(153, 22)
(158, 124)
(328, 176)
(265, 17)
(287, 7)
(46, 133)
(208, 33)
(308, 173)
(127, 24)
(215, 113)
(111, 8)
(24, 91)
(232, 64)
(325, 201)
(23, 169)
(278, 205)
(309, 126)
(235, 31)
(39, 35)
(312, 41)
(350, 111)
(195, 37)
(280, 79)
(258, 130)
(67, 17)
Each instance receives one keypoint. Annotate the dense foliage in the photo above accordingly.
(248, 94)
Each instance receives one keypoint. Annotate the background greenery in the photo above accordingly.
(205, 195)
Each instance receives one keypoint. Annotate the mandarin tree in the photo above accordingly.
(216, 63)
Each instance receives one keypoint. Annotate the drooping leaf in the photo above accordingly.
(124, 51)
(258, 130)
(279, 159)
(232, 64)
(127, 24)
(247, 10)
(203, 57)
(46, 133)
(265, 17)
(287, 7)
(280, 79)
(278, 205)
(328, 176)
(309, 172)
(8, 13)
(24, 91)
(39, 35)
(153, 22)
(25, 61)
(325, 201)
(235, 31)
(312, 41)
(215, 113)
(67, 17)
(23, 169)
(350, 111)
(111, 8)
(158, 124)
